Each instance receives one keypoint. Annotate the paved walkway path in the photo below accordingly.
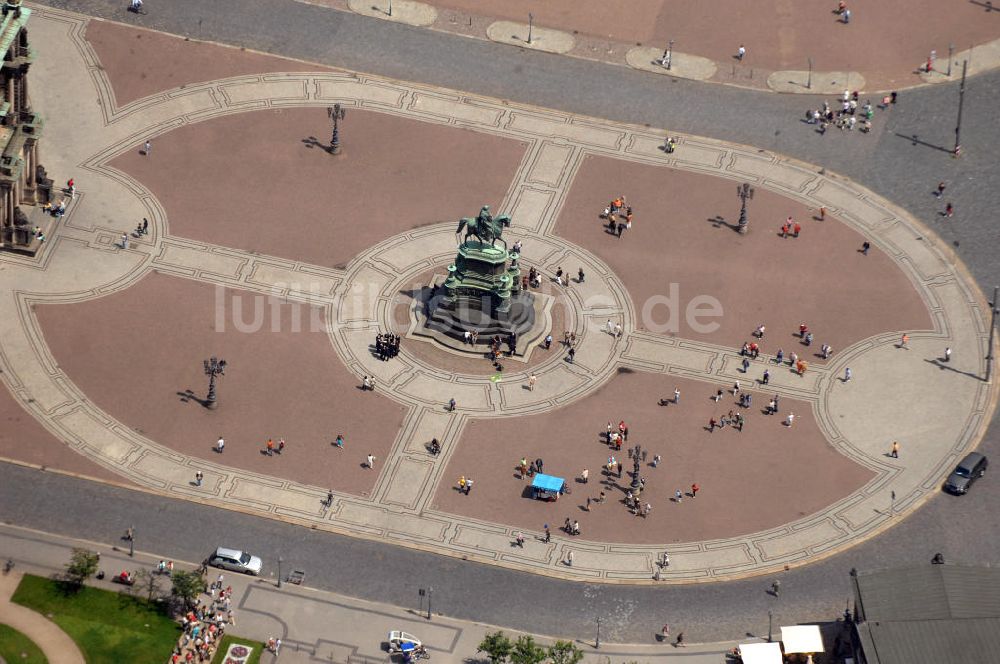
(859, 419)
(329, 627)
(55, 643)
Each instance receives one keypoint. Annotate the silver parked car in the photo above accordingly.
(237, 561)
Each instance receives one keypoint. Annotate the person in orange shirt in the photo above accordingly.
(270, 447)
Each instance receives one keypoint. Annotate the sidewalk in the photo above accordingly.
(312, 625)
(57, 646)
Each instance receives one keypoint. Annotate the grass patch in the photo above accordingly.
(16, 647)
(108, 627)
(227, 640)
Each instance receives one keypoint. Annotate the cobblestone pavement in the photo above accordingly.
(313, 626)
(901, 161)
(885, 45)
(83, 262)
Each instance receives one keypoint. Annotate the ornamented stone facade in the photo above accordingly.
(22, 179)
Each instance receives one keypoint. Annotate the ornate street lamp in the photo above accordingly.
(213, 367)
(636, 485)
(744, 192)
(336, 113)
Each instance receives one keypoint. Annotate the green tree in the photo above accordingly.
(526, 651)
(497, 647)
(565, 652)
(187, 586)
(148, 583)
(81, 566)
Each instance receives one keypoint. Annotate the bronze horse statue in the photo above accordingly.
(485, 227)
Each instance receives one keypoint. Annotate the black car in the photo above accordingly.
(970, 469)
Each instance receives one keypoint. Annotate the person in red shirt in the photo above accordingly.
(694, 490)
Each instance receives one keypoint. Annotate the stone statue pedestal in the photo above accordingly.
(482, 293)
(530, 317)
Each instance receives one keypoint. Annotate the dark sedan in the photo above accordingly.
(970, 469)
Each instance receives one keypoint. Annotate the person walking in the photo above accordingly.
(571, 355)
(895, 450)
(124, 240)
(949, 210)
(569, 559)
(678, 496)
(865, 246)
(775, 587)
(848, 374)
(741, 53)
(370, 461)
(790, 420)
(766, 378)
(147, 149)
(940, 189)
(904, 342)
(677, 396)
(220, 445)
(532, 379)
(451, 405)
(694, 489)
(947, 354)
(198, 477)
(519, 539)
(548, 534)
(580, 276)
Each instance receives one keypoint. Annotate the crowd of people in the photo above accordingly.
(386, 346)
(848, 113)
(204, 624)
(618, 214)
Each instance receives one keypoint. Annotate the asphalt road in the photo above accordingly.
(889, 161)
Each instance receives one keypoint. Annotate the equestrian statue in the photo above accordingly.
(485, 227)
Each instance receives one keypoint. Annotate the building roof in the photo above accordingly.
(929, 592)
(929, 614)
(931, 641)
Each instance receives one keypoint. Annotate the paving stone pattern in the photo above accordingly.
(858, 418)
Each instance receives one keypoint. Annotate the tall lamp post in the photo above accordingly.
(744, 192)
(336, 113)
(961, 101)
(993, 326)
(213, 367)
(531, 24)
(280, 560)
(597, 641)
